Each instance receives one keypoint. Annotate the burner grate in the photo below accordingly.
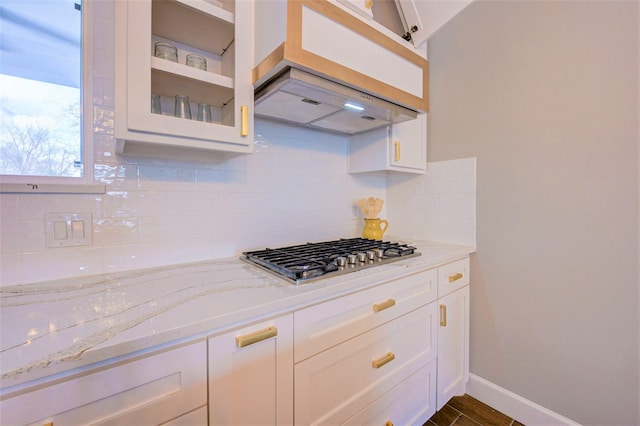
(314, 260)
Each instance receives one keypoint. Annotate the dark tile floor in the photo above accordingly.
(468, 411)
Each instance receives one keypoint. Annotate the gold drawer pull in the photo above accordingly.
(258, 336)
(388, 423)
(48, 424)
(377, 363)
(244, 111)
(396, 151)
(377, 307)
(443, 315)
(455, 277)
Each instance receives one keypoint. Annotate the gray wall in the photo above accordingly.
(545, 95)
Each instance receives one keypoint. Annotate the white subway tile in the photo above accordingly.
(35, 206)
(150, 203)
(464, 202)
(166, 178)
(192, 203)
(9, 208)
(116, 177)
(115, 231)
(22, 236)
(11, 269)
(466, 184)
(439, 184)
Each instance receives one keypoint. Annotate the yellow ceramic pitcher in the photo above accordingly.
(373, 228)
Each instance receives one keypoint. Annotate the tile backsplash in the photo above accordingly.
(293, 188)
(439, 206)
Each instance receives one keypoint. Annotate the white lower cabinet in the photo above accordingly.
(370, 356)
(334, 385)
(149, 390)
(409, 403)
(453, 345)
(389, 354)
(251, 375)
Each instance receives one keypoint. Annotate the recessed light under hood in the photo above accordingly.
(302, 98)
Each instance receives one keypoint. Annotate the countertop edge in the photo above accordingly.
(295, 298)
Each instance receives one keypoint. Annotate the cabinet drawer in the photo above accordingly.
(336, 384)
(411, 402)
(149, 390)
(325, 325)
(453, 276)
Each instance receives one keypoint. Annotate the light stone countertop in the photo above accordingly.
(56, 326)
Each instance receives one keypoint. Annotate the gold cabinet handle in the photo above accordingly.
(369, 4)
(455, 277)
(244, 111)
(388, 423)
(377, 307)
(48, 424)
(258, 336)
(377, 363)
(443, 315)
(396, 151)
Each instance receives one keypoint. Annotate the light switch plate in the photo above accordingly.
(68, 229)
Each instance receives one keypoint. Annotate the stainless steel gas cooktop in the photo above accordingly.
(312, 261)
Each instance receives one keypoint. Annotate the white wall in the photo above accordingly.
(545, 96)
(293, 188)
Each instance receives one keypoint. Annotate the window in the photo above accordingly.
(41, 75)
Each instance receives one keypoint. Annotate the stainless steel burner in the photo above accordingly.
(312, 261)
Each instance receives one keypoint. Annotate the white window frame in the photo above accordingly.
(62, 184)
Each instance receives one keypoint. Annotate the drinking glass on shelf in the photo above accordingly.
(197, 61)
(182, 108)
(204, 113)
(166, 51)
(156, 108)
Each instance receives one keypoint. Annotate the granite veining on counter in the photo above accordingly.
(54, 326)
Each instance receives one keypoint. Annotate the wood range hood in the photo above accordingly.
(320, 66)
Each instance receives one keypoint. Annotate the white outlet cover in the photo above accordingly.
(50, 235)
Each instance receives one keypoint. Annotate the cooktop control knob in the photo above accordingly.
(352, 258)
(362, 257)
(371, 255)
(379, 253)
(341, 261)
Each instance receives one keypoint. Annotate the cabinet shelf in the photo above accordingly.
(170, 79)
(196, 23)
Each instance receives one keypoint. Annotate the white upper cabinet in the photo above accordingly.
(400, 147)
(422, 18)
(336, 42)
(222, 34)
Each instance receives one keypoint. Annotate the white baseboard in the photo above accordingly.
(513, 405)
